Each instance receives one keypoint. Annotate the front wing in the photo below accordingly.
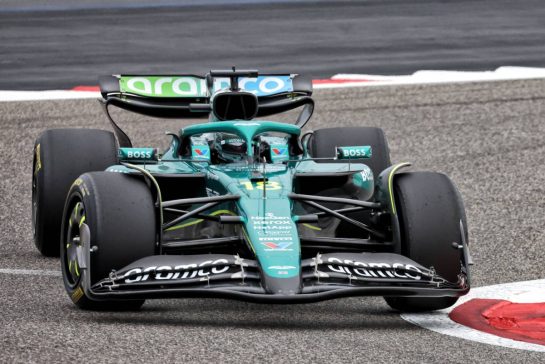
(322, 277)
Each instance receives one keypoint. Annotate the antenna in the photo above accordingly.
(233, 75)
(234, 80)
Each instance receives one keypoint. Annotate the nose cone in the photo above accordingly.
(275, 241)
(282, 286)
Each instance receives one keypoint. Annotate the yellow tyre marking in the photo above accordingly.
(77, 182)
(77, 294)
(38, 159)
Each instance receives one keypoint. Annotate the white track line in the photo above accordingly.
(337, 81)
(522, 292)
(31, 272)
(434, 77)
(429, 77)
(47, 95)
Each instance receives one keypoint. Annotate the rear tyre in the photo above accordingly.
(430, 209)
(323, 142)
(114, 216)
(60, 156)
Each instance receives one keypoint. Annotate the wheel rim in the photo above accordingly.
(77, 239)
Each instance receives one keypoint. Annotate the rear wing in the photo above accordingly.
(169, 96)
(244, 94)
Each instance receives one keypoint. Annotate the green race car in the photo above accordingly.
(241, 207)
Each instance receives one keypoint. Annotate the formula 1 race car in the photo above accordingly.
(240, 207)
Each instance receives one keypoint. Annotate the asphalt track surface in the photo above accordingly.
(487, 136)
(63, 43)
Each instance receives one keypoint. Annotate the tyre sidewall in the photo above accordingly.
(106, 197)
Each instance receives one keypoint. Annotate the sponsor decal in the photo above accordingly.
(195, 87)
(269, 168)
(280, 246)
(279, 153)
(282, 269)
(374, 270)
(200, 152)
(272, 238)
(270, 216)
(183, 271)
(363, 179)
(354, 152)
(164, 86)
(366, 175)
(274, 233)
(271, 224)
(137, 153)
(273, 227)
(259, 86)
(232, 141)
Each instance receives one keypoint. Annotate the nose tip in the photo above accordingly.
(283, 286)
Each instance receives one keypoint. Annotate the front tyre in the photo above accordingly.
(429, 208)
(109, 221)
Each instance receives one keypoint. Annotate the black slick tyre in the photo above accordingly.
(429, 209)
(60, 156)
(109, 218)
(323, 142)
